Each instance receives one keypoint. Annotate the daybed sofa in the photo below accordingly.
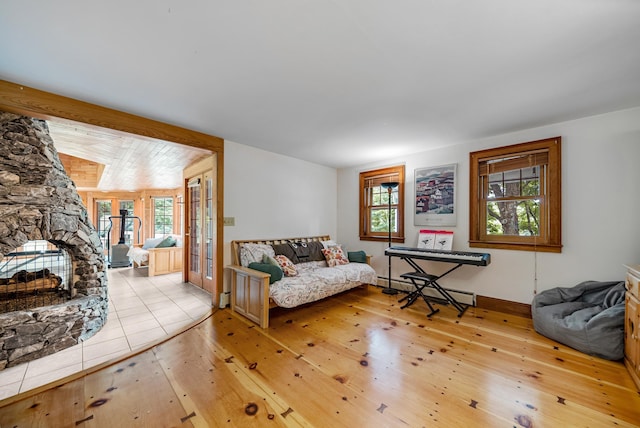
(160, 255)
(588, 317)
(308, 269)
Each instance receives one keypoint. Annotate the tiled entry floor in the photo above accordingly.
(141, 310)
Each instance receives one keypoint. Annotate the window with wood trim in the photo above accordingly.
(382, 206)
(515, 197)
(162, 216)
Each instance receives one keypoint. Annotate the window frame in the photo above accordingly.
(164, 215)
(393, 173)
(550, 230)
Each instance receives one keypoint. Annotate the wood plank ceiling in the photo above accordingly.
(100, 159)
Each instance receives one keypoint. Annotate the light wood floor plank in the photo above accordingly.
(42, 410)
(450, 351)
(356, 359)
(133, 393)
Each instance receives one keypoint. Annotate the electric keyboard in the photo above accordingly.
(461, 257)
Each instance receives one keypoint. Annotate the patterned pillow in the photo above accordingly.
(287, 266)
(335, 256)
(253, 253)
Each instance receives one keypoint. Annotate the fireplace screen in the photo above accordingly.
(34, 275)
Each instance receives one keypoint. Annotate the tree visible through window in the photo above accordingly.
(515, 197)
(376, 216)
(163, 216)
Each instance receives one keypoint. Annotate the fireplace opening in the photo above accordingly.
(37, 274)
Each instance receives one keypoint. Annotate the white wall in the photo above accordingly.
(275, 196)
(600, 204)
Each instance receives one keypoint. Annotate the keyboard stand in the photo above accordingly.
(421, 280)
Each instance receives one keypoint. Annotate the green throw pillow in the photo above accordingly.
(169, 241)
(274, 271)
(357, 256)
(267, 259)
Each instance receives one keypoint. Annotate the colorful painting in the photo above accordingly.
(435, 202)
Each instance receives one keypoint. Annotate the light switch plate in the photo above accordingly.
(229, 221)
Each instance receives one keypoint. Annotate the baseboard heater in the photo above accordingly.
(225, 297)
(466, 297)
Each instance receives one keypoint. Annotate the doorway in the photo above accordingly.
(21, 99)
(201, 230)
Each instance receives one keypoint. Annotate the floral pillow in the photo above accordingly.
(287, 266)
(335, 256)
(253, 253)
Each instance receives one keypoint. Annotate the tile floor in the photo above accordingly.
(141, 310)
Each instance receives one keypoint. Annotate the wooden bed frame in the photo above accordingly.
(250, 288)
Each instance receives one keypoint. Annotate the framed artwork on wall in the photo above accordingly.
(435, 202)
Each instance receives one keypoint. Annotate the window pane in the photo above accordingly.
(531, 180)
(518, 182)
(379, 198)
(394, 196)
(128, 225)
(495, 189)
(513, 218)
(163, 216)
(380, 209)
(379, 219)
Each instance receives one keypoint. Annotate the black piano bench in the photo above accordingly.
(425, 280)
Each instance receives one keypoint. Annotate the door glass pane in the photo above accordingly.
(209, 226)
(194, 233)
(180, 213)
(103, 212)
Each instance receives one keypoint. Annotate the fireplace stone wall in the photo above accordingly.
(38, 201)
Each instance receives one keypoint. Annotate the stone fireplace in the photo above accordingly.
(39, 202)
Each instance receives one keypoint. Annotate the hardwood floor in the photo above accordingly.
(356, 359)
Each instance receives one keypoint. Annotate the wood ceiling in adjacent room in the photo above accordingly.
(128, 162)
(84, 173)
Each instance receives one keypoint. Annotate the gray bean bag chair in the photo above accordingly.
(588, 317)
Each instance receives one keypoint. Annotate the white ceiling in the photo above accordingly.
(338, 83)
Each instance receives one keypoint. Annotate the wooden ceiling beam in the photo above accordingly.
(24, 100)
